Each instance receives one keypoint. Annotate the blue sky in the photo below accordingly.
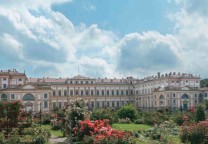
(104, 38)
(123, 17)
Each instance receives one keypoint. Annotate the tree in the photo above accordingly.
(200, 114)
(127, 111)
(204, 83)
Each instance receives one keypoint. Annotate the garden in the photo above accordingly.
(125, 125)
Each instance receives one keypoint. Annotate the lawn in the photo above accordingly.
(142, 127)
(130, 127)
(56, 133)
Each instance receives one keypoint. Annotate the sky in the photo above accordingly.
(104, 38)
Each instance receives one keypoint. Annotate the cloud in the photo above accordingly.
(191, 30)
(45, 38)
(47, 43)
(150, 51)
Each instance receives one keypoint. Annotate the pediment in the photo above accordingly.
(80, 77)
(184, 88)
(28, 87)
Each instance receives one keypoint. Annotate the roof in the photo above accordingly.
(11, 73)
(46, 80)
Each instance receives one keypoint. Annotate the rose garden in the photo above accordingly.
(125, 125)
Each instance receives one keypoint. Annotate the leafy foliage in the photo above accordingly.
(101, 114)
(200, 114)
(74, 112)
(195, 133)
(204, 83)
(127, 111)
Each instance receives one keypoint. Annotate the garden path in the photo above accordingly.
(57, 140)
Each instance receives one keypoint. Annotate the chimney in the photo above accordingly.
(158, 74)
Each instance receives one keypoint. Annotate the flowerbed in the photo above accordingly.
(100, 132)
(195, 132)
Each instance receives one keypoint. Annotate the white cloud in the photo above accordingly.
(51, 44)
(148, 52)
(191, 30)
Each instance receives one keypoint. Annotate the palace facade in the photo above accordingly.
(172, 90)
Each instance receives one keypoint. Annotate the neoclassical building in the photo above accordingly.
(172, 90)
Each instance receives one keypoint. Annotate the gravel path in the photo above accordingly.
(57, 140)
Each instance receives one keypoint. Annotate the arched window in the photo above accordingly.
(161, 97)
(28, 97)
(4, 97)
(185, 96)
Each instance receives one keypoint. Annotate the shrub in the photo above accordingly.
(46, 119)
(200, 114)
(74, 112)
(107, 113)
(101, 133)
(194, 133)
(2, 138)
(127, 111)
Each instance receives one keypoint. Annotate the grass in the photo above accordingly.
(56, 133)
(142, 127)
(131, 127)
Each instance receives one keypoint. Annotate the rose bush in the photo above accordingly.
(194, 133)
(101, 133)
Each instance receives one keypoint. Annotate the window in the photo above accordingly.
(112, 92)
(92, 104)
(127, 92)
(91, 82)
(97, 92)
(76, 92)
(12, 96)
(196, 81)
(108, 103)
(92, 92)
(174, 102)
(59, 105)
(82, 93)
(65, 92)
(195, 95)
(59, 92)
(4, 79)
(54, 104)
(45, 104)
(103, 93)
(20, 79)
(71, 92)
(113, 105)
(97, 104)
(86, 82)
(174, 95)
(45, 96)
(54, 93)
(117, 92)
(103, 103)
(76, 82)
(87, 92)
(117, 103)
(107, 92)
(205, 94)
(122, 93)
(4, 86)
(81, 82)
(71, 82)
